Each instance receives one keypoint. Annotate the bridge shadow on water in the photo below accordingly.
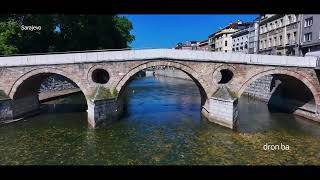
(290, 95)
(63, 108)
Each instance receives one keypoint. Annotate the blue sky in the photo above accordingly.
(164, 31)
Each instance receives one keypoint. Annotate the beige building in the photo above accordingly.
(279, 34)
(222, 40)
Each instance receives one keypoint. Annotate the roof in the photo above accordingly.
(240, 33)
(226, 31)
(235, 25)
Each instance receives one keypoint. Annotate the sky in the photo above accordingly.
(165, 31)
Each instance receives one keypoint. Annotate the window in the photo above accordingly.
(261, 43)
(270, 42)
(307, 37)
(225, 50)
(280, 40)
(232, 49)
(295, 37)
(275, 41)
(266, 28)
(275, 24)
(281, 22)
(271, 26)
(288, 38)
(225, 43)
(308, 22)
(289, 19)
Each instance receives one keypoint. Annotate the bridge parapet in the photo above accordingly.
(158, 54)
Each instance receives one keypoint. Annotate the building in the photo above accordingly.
(310, 33)
(253, 38)
(222, 40)
(190, 45)
(203, 45)
(240, 41)
(279, 34)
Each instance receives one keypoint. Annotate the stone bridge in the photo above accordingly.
(103, 75)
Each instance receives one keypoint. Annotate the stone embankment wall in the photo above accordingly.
(5, 110)
(56, 83)
(260, 89)
(172, 73)
(13, 109)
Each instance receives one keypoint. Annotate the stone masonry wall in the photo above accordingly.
(5, 110)
(11, 109)
(24, 105)
(172, 73)
(260, 88)
(103, 112)
(223, 112)
(56, 83)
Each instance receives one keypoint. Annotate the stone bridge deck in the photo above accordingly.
(150, 54)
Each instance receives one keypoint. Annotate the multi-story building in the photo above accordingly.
(203, 45)
(191, 45)
(222, 40)
(310, 33)
(279, 34)
(240, 41)
(253, 38)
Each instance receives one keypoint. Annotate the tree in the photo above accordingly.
(8, 34)
(88, 32)
(77, 32)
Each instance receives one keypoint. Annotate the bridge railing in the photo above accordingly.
(84, 51)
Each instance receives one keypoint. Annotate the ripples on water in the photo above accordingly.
(162, 125)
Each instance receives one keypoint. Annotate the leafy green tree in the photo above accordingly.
(8, 34)
(76, 33)
(88, 32)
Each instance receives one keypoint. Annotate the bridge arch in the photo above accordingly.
(42, 73)
(225, 72)
(301, 77)
(202, 85)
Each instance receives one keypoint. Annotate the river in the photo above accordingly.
(162, 125)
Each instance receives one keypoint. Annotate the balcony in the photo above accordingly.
(292, 26)
(291, 43)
